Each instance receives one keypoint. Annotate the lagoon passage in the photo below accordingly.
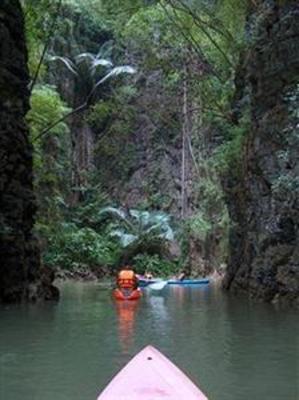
(231, 348)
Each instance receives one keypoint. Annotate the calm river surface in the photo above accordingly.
(235, 350)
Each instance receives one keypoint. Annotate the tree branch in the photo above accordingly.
(81, 108)
(184, 8)
(45, 49)
(190, 39)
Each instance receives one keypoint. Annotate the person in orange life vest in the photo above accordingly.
(127, 279)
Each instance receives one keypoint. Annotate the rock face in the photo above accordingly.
(264, 199)
(21, 277)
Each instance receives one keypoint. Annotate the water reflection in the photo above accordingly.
(185, 294)
(179, 293)
(126, 315)
(258, 351)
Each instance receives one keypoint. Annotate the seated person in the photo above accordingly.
(148, 275)
(182, 275)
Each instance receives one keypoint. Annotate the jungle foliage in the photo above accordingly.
(184, 55)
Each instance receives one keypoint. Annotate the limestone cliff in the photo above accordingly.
(21, 276)
(263, 198)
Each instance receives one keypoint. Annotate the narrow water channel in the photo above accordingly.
(234, 349)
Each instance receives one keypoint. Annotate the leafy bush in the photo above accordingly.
(91, 241)
(228, 155)
(72, 247)
(46, 108)
(51, 152)
(155, 264)
(135, 226)
(99, 114)
(198, 226)
(86, 213)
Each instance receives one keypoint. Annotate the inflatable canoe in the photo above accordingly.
(127, 295)
(188, 282)
(151, 376)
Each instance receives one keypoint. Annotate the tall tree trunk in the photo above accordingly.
(185, 146)
(83, 156)
(20, 269)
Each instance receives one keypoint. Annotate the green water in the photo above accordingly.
(69, 351)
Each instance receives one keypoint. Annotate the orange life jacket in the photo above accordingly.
(126, 279)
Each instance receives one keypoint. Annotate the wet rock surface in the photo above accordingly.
(263, 197)
(21, 277)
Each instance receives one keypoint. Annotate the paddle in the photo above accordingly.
(158, 285)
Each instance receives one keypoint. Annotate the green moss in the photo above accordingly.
(99, 114)
(228, 156)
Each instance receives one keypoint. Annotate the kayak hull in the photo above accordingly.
(151, 376)
(188, 282)
(123, 296)
(145, 282)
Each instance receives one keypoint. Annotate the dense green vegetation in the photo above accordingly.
(176, 63)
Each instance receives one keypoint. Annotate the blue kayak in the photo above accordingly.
(188, 282)
(143, 282)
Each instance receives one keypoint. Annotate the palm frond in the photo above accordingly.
(159, 223)
(124, 69)
(126, 239)
(85, 56)
(103, 62)
(105, 50)
(116, 212)
(142, 216)
(114, 72)
(67, 62)
(168, 234)
(100, 63)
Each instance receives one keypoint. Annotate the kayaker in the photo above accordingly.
(127, 279)
(181, 276)
(148, 275)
